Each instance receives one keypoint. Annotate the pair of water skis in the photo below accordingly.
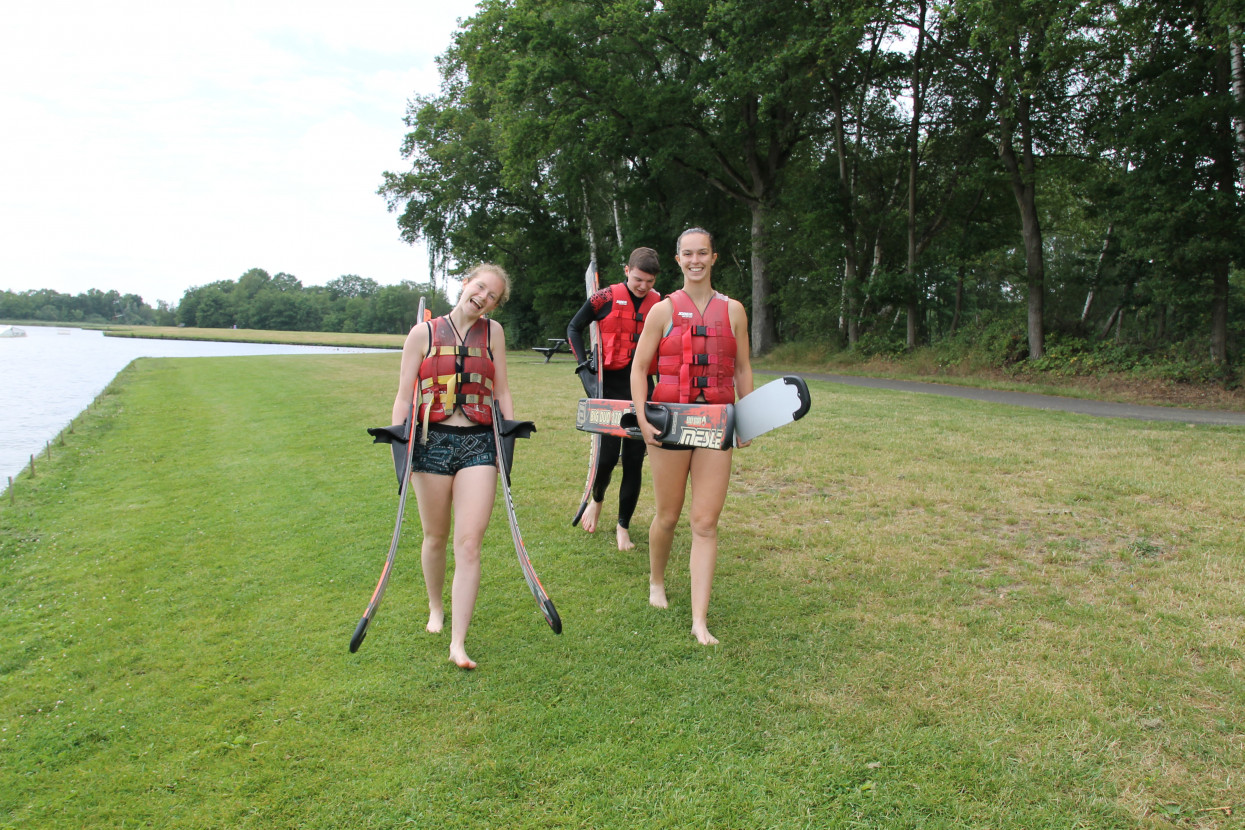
(775, 404)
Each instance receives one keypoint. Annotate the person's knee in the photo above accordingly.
(665, 520)
(435, 541)
(467, 551)
(704, 526)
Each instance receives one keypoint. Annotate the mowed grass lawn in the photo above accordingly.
(933, 613)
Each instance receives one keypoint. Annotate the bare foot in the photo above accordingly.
(657, 596)
(701, 632)
(589, 520)
(624, 538)
(436, 620)
(458, 656)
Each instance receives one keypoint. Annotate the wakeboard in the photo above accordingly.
(717, 426)
(777, 403)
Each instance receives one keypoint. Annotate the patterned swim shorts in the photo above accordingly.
(450, 449)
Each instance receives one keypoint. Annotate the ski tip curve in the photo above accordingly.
(551, 615)
(359, 633)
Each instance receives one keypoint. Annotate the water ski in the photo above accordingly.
(591, 374)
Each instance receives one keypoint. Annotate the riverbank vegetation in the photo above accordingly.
(875, 173)
(1055, 184)
(254, 301)
(934, 612)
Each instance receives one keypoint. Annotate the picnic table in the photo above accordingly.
(559, 346)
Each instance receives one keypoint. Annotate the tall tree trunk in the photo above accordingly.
(1111, 318)
(1226, 183)
(1021, 172)
(914, 143)
(1238, 93)
(592, 234)
(1102, 260)
(618, 228)
(851, 264)
(763, 334)
(959, 299)
(1219, 313)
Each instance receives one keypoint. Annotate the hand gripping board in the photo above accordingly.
(683, 424)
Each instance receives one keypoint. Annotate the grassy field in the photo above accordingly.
(934, 613)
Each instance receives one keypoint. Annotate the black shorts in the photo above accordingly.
(452, 448)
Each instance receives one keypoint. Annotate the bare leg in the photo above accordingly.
(670, 471)
(474, 491)
(624, 538)
(711, 472)
(432, 493)
(589, 520)
(607, 458)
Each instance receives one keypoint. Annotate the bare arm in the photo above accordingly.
(655, 326)
(743, 353)
(501, 382)
(743, 348)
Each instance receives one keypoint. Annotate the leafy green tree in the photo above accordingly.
(351, 285)
(1173, 194)
(1030, 60)
(215, 309)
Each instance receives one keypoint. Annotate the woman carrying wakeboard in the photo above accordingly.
(699, 338)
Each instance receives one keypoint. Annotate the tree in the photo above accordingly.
(1167, 124)
(1029, 60)
(351, 285)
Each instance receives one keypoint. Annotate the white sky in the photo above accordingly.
(149, 146)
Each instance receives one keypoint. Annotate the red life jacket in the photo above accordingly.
(620, 329)
(456, 375)
(698, 355)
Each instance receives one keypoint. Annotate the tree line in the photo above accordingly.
(281, 302)
(889, 173)
(256, 300)
(92, 307)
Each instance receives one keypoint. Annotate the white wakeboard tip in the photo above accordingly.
(777, 403)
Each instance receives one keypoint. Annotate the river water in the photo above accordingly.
(52, 374)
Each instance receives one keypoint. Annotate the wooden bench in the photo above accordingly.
(559, 346)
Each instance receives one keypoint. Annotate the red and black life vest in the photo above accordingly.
(456, 374)
(620, 329)
(698, 355)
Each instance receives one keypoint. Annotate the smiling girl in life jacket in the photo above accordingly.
(699, 338)
(459, 364)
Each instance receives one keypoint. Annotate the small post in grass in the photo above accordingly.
(32, 465)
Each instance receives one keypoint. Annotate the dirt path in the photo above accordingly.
(1102, 409)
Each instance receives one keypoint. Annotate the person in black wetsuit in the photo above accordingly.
(619, 313)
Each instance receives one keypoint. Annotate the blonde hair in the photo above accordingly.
(485, 267)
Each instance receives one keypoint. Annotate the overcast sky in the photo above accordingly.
(151, 146)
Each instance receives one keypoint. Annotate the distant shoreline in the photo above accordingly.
(285, 338)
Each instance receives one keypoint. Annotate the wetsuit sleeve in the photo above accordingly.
(595, 308)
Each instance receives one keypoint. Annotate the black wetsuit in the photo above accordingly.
(616, 385)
